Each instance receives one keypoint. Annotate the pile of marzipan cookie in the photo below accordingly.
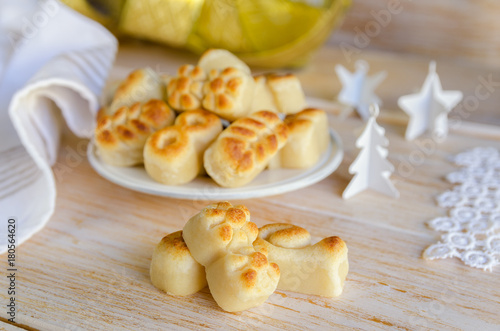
(243, 265)
(173, 125)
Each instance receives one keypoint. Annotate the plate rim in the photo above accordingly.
(270, 189)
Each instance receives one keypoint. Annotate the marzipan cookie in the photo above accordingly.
(241, 280)
(174, 155)
(218, 229)
(173, 269)
(228, 93)
(319, 269)
(308, 139)
(141, 85)
(245, 148)
(185, 91)
(276, 93)
(263, 98)
(221, 59)
(120, 137)
(288, 94)
(217, 244)
(220, 237)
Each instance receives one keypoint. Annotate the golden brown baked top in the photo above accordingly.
(285, 235)
(227, 218)
(141, 85)
(334, 245)
(174, 140)
(225, 91)
(304, 119)
(280, 78)
(198, 120)
(252, 139)
(257, 263)
(221, 88)
(127, 86)
(101, 113)
(260, 79)
(169, 142)
(174, 245)
(251, 266)
(289, 236)
(185, 91)
(218, 229)
(133, 125)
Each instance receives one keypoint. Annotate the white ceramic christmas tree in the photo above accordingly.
(370, 168)
(358, 88)
(429, 108)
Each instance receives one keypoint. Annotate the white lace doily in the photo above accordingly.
(471, 232)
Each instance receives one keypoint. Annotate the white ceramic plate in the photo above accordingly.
(269, 182)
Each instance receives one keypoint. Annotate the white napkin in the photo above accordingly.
(53, 61)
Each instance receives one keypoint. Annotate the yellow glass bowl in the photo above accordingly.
(265, 33)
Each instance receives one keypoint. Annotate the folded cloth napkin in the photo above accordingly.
(53, 65)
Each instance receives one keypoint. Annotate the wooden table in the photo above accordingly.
(89, 267)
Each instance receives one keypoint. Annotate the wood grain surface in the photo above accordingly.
(88, 269)
(464, 29)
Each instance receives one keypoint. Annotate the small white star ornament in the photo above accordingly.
(358, 88)
(429, 108)
(371, 168)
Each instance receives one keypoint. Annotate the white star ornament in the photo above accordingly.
(429, 108)
(358, 88)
